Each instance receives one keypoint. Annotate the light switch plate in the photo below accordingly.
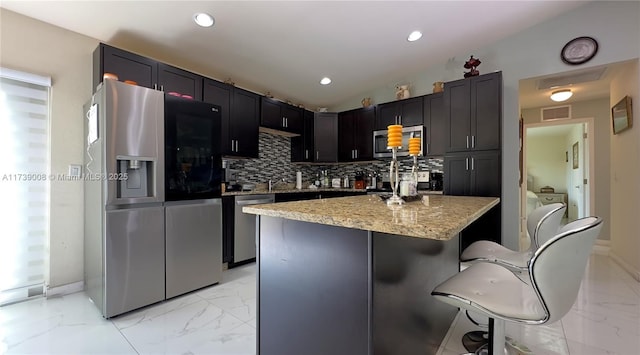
(75, 170)
(423, 176)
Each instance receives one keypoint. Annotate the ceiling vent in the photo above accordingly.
(555, 113)
(571, 78)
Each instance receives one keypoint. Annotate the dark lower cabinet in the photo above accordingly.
(476, 174)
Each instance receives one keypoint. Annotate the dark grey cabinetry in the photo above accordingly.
(240, 118)
(406, 112)
(144, 71)
(302, 145)
(475, 174)
(473, 112)
(355, 134)
(435, 125)
(325, 127)
(281, 116)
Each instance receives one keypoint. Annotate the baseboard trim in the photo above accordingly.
(602, 247)
(64, 289)
(625, 266)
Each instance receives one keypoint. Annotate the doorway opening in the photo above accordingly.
(558, 166)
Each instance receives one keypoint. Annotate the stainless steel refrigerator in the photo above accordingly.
(124, 192)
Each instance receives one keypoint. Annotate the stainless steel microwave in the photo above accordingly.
(380, 142)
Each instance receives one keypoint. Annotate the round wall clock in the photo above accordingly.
(579, 50)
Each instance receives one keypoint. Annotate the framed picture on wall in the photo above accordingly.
(575, 155)
(621, 115)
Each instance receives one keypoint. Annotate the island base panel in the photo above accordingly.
(313, 288)
(406, 318)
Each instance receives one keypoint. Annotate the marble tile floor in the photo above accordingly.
(222, 320)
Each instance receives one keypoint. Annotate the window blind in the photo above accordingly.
(24, 184)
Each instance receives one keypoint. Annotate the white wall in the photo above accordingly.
(33, 46)
(546, 162)
(625, 175)
(532, 53)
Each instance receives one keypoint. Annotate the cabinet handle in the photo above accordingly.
(317, 155)
(155, 86)
(232, 149)
(473, 163)
(286, 122)
(473, 141)
(236, 145)
(306, 153)
(161, 87)
(427, 149)
(467, 142)
(466, 163)
(356, 153)
(282, 121)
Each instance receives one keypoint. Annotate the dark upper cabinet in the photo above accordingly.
(473, 174)
(406, 112)
(435, 125)
(144, 71)
(325, 127)
(355, 134)
(281, 116)
(126, 65)
(176, 80)
(473, 112)
(302, 145)
(245, 122)
(240, 118)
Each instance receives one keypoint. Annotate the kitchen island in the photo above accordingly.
(351, 275)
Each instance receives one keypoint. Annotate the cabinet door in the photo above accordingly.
(270, 116)
(218, 93)
(172, 79)
(302, 145)
(457, 113)
(410, 111)
(245, 122)
(486, 111)
(326, 137)
(346, 130)
(293, 118)
(434, 122)
(126, 65)
(486, 174)
(386, 114)
(457, 175)
(363, 134)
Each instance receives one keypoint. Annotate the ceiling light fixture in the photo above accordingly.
(325, 81)
(203, 19)
(414, 36)
(561, 95)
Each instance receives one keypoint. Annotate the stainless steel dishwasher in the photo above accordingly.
(244, 238)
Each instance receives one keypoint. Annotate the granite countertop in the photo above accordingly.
(433, 217)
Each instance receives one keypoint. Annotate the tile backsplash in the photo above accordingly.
(274, 163)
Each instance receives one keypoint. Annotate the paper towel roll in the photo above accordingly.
(299, 180)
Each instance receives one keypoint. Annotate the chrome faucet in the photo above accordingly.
(272, 184)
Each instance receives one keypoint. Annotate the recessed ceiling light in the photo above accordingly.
(561, 95)
(414, 36)
(203, 19)
(325, 81)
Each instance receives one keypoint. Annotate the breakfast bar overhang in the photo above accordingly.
(352, 275)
